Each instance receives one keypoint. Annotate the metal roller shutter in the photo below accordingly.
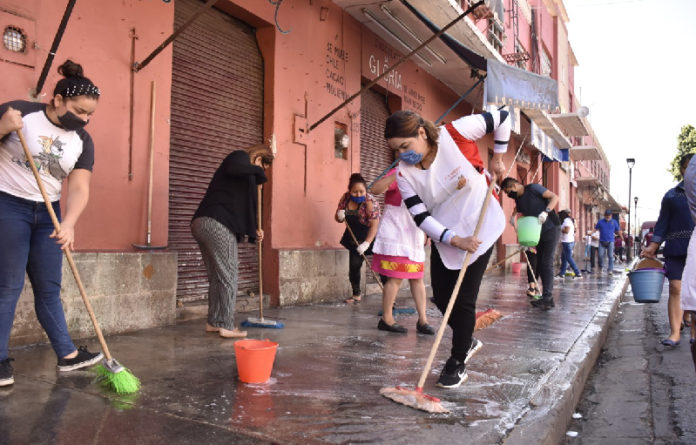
(217, 107)
(375, 154)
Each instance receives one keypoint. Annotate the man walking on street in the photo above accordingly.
(608, 228)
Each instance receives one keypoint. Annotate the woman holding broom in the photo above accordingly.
(61, 149)
(359, 210)
(443, 183)
(225, 216)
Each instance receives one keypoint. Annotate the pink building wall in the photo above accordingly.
(98, 37)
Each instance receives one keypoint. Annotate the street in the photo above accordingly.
(640, 392)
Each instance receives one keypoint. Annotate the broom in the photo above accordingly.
(415, 398)
(112, 374)
(260, 322)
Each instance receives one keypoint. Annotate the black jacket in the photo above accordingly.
(231, 197)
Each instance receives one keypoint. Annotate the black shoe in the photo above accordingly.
(425, 329)
(83, 359)
(6, 378)
(543, 304)
(383, 326)
(453, 374)
(473, 349)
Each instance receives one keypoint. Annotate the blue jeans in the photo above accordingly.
(606, 248)
(25, 246)
(567, 258)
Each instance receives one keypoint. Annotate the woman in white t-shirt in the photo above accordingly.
(61, 149)
(567, 244)
(443, 183)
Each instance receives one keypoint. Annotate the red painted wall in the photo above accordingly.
(97, 36)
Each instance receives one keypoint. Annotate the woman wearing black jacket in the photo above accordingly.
(224, 217)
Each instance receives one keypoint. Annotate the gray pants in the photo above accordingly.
(219, 249)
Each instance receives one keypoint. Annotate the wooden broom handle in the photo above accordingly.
(68, 255)
(258, 214)
(453, 297)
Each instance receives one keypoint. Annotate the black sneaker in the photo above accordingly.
(6, 377)
(383, 326)
(453, 374)
(83, 359)
(473, 349)
(425, 329)
(543, 304)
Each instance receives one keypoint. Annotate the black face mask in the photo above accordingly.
(512, 195)
(71, 122)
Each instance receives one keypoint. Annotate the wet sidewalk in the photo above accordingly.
(522, 388)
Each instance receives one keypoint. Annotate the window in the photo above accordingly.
(495, 34)
(14, 39)
(545, 64)
(341, 141)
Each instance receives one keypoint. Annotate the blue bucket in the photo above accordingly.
(646, 285)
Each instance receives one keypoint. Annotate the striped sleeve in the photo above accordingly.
(424, 220)
(476, 126)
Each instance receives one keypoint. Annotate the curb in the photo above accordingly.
(551, 407)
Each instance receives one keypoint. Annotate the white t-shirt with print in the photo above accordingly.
(55, 151)
(570, 236)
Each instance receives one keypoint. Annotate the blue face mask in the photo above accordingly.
(357, 199)
(411, 157)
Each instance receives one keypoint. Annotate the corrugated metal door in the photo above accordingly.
(217, 107)
(375, 154)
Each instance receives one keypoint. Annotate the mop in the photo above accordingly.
(415, 398)
(260, 322)
(111, 373)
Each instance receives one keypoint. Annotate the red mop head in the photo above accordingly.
(486, 318)
(414, 398)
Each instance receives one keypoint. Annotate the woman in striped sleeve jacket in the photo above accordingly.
(443, 184)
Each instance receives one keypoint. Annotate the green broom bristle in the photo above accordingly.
(122, 382)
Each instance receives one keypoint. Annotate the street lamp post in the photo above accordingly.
(635, 225)
(630, 162)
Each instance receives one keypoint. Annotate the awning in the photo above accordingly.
(542, 120)
(510, 85)
(587, 181)
(571, 124)
(585, 153)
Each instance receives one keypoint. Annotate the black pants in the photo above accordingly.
(593, 256)
(355, 261)
(532, 257)
(546, 251)
(463, 317)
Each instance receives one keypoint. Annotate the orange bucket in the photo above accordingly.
(516, 268)
(255, 359)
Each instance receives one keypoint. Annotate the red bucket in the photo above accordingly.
(516, 268)
(255, 359)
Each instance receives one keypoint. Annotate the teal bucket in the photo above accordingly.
(528, 231)
(646, 285)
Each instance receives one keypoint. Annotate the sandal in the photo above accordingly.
(353, 299)
(532, 292)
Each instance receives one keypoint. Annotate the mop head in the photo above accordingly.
(400, 311)
(116, 378)
(486, 318)
(262, 323)
(414, 398)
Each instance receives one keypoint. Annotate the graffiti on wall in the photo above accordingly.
(336, 58)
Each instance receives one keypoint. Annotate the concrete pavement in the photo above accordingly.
(523, 385)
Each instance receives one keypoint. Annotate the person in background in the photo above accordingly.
(588, 252)
(398, 253)
(674, 227)
(648, 237)
(444, 185)
(594, 249)
(619, 247)
(688, 288)
(608, 228)
(61, 149)
(537, 201)
(567, 244)
(360, 212)
(226, 215)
